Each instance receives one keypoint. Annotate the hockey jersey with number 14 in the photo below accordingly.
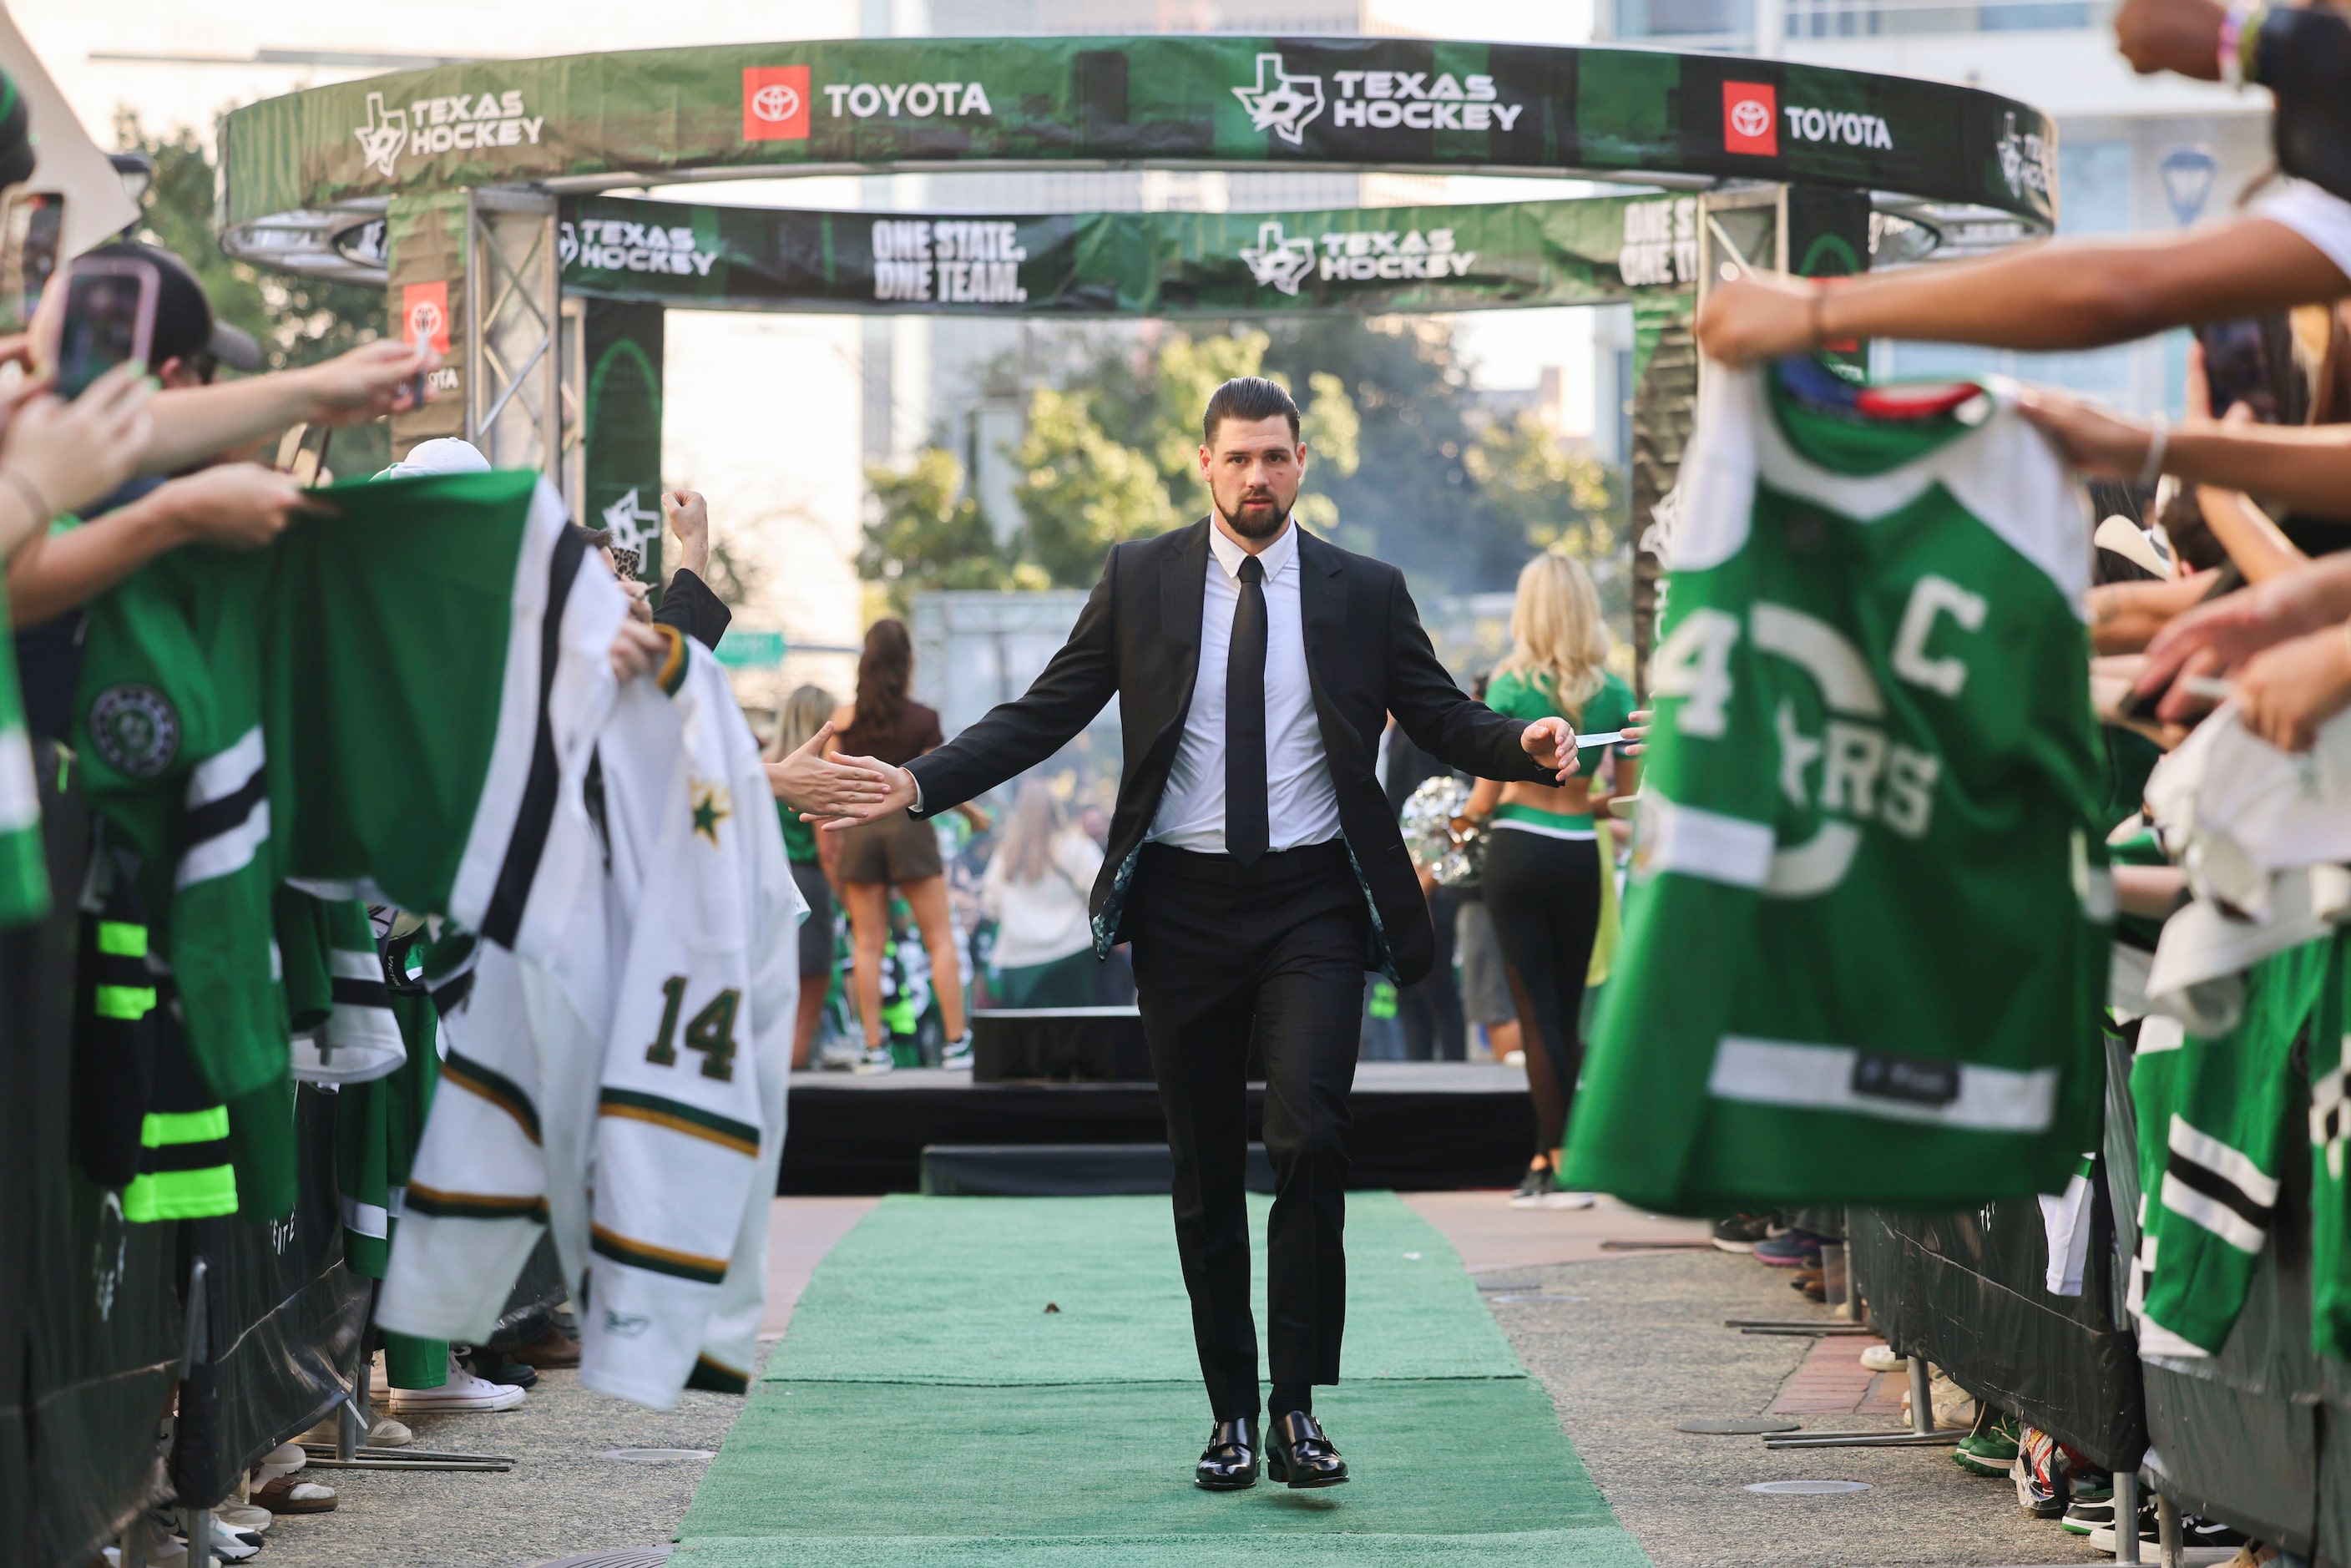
(628, 1091)
(1865, 943)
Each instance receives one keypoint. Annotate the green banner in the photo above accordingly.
(1585, 251)
(1234, 102)
(624, 344)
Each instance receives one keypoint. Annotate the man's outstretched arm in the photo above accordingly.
(1456, 728)
(1015, 737)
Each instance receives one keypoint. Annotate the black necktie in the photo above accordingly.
(1245, 815)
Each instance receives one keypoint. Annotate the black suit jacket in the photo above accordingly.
(1138, 638)
(688, 604)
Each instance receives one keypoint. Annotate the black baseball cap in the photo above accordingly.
(185, 325)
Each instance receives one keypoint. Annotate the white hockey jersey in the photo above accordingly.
(624, 1083)
(2261, 834)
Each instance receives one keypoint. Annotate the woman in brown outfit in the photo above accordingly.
(896, 849)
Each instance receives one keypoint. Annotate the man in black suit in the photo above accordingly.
(1256, 866)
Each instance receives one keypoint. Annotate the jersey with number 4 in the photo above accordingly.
(1865, 943)
(626, 1087)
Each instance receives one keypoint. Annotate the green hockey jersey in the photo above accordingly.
(1866, 945)
(2213, 1116)
(383, 702)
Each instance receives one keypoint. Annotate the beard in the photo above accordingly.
(1259, 525)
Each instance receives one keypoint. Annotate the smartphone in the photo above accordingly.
(109, 318)
(30, 224)
(422, 341)
(2237, 367)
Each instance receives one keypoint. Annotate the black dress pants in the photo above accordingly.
(1223, 951)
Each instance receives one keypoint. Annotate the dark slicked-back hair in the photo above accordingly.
(1248, 399)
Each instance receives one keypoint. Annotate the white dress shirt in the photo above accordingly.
(1301, 805)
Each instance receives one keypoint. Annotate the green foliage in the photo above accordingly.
(1400, 466)
(930, 534)
(1553, 499)
(1082, 491)
(297, 321)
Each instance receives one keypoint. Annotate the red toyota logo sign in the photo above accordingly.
(774, 103)
(1751, 118)
(424, 313)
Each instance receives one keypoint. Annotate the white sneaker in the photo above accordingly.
(874, 1062)
(462, 1392)
(1881, 1358)
(387, 1433)
(245, 1517)
(1568, 1200)
(233, 1545)
(959, 1053)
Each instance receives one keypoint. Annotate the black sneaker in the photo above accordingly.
(2196, 1532)
(1740, 1232)
(1533, 1187)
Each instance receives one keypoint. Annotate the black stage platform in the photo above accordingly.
(1419, 1125)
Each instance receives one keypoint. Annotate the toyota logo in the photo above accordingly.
(1748, 117)
(775, 102)
(424, 319)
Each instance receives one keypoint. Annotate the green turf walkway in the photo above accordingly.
(927, 1409)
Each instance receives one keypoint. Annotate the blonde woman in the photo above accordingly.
(1543, 865)
(806, 712)
(1035, 890)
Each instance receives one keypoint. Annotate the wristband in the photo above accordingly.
(1814, 329)
(2158, 441)
(2239, 29)
(42, 511)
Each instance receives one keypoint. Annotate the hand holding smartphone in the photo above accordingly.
(110, 318)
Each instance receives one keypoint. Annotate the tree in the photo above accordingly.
(1553, 499)
(1081, 491)
(930, 534)
(296, 321)
(1401, 464)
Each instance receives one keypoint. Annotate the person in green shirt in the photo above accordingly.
(1545, 874)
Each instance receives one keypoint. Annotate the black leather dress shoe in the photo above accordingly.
(1229, 1461)
(1297, 1451)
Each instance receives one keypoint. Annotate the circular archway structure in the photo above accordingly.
(303, 175)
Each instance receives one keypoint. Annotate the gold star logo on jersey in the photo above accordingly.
(710, 809)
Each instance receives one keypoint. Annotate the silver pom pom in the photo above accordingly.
(1427, 823)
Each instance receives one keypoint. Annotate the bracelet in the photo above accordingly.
(1816, 329)
(2159, 442)
(42, 511)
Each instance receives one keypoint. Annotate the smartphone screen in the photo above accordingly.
(30, 224)
(109, 318)
(2237, 367)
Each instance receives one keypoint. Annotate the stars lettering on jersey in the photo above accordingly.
(1797, 753)
(711, 807)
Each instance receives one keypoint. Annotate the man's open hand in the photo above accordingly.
(817, 786)
(898, 797)
(1551, 743)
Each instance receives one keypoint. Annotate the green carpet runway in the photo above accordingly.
(925, 1408)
